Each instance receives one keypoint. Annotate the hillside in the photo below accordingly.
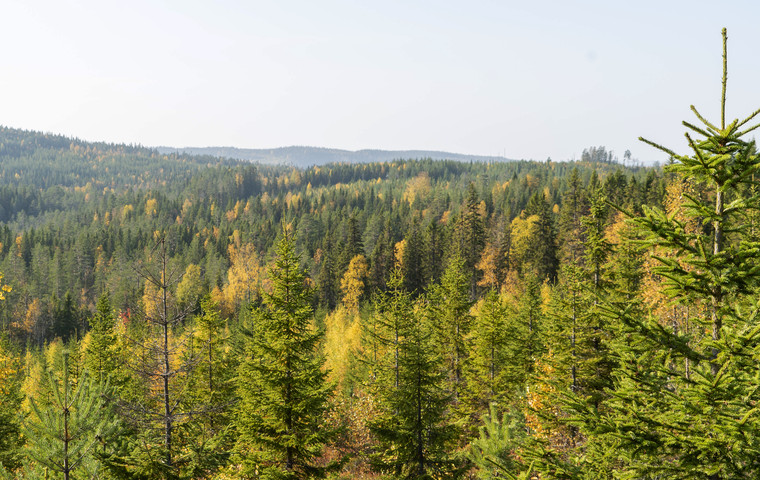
(124, 262)
(304, 157)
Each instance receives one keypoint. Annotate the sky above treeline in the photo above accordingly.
(517, 79)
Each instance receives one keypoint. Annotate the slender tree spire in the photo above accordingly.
(724, 81)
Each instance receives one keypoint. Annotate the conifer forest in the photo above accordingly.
(170, 316)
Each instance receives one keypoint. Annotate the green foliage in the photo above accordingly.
(414, 433)
(683, 403)
(66, 434)
(101, 356)
(450, 308)
(10, 399)
(471, 238)
(493, 451)
(282, 387)
(493, 366)
(541, 255)
(208, 438)
(78, 217)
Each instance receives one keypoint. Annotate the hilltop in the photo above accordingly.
(304, 157)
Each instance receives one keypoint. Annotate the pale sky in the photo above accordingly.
(527, 79)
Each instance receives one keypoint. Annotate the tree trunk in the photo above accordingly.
(717, 296)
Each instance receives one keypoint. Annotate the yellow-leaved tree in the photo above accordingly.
(11, 369)
(3, 288)
(190, 288)
(352, 283)
(243, 277)
(523, 230)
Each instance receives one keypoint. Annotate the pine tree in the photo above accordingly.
(574, 207)
(492, 452)
(65, 317)
(383, 331)
(352, 246)
(65, 433)
(326, 280)
(210, 395)
(282, 387)
(382, 260)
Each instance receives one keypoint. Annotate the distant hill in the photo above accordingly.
(309, 156)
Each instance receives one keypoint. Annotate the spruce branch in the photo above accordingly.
(659, 147)
(704, 120)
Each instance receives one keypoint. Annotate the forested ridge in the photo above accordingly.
(171, 316)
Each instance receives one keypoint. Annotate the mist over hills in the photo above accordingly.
(309, 156)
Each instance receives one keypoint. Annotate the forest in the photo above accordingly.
(174, 316)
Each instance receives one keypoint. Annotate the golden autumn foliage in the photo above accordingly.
(352, 283)
(399, 253)
(544, 416)
(126, 212)
(234, 213)
(342, 340)
(3, 288)
(33, 384)
(151, 207)
(244, 280)
(152, 300)
(418, 186)
(488, 264)
(190, 288)
(32, 325)
(9, 366)
(522, 232)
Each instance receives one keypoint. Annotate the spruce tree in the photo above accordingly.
(695, 419)
(541, 255)
(282, 387)
(100, 354)
(491, 363)
(471, 236)
(412, 262)
(450, 306)
(413, 430)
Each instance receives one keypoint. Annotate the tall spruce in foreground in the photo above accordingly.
(669, 418)
(282, 386)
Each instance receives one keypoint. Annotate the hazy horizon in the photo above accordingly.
(521, 81)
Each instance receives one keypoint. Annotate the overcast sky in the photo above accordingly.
(523, 79)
